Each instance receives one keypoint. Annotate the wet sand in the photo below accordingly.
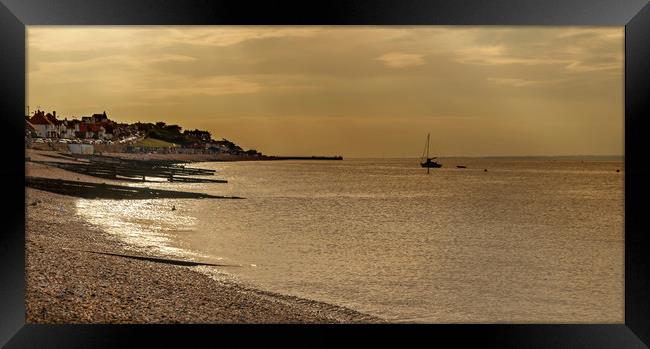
(64, 284)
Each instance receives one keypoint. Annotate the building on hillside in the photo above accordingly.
(204, 136)
(194, 145)
(99, 118)
(58, 124)
(109, 128)
(90, 131)
(71, 128)
(217, 148)
(43, 125)
(124, 130)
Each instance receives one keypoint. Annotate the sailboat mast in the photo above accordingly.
(428, 134)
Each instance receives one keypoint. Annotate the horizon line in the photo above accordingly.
(462, 156)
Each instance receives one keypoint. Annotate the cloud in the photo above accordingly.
(480, 75)
(209, 86)
(107, 39)
(567, 47)
(515, 82)
(499, 55)
(226, 36)
(599, 33)
(401, 60)
(135, 76)
(582, 67)
(170, 58)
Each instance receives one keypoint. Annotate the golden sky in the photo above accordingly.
(356, 91)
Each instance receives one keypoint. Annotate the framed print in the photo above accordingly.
(459, 171)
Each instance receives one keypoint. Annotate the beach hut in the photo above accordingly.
(75, 148)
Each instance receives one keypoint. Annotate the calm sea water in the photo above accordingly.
(530, 240)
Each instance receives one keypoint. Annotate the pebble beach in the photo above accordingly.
(65, 283)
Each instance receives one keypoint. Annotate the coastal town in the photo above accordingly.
(98, 133)
(77, 272)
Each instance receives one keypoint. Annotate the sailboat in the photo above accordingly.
(429, 163)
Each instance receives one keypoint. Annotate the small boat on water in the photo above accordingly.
(428, 163)
(461, 166)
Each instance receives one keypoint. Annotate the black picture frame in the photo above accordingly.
(15, 15)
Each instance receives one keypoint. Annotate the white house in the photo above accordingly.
(43, 126)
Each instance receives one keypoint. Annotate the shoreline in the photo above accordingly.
(181, 157)
(190, 158)
(67, 284)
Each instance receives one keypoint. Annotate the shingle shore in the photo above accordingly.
(66, 285)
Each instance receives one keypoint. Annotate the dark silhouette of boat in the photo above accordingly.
(429, 162)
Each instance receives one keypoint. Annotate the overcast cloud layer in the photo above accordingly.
(354, 91)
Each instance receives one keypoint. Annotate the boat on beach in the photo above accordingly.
(429, 162)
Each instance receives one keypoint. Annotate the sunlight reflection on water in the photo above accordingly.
(145, 225)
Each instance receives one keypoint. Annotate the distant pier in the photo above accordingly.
(303, 157)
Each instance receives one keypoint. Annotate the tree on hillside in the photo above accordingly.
(167, 133)
(198, 135)
(173, 128)
(142, 126)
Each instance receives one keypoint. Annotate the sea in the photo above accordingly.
(504, 240)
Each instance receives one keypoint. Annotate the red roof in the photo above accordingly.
(53, 119)
(40, 119)
(89, 127)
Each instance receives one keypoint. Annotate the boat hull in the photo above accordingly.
(430, 165)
